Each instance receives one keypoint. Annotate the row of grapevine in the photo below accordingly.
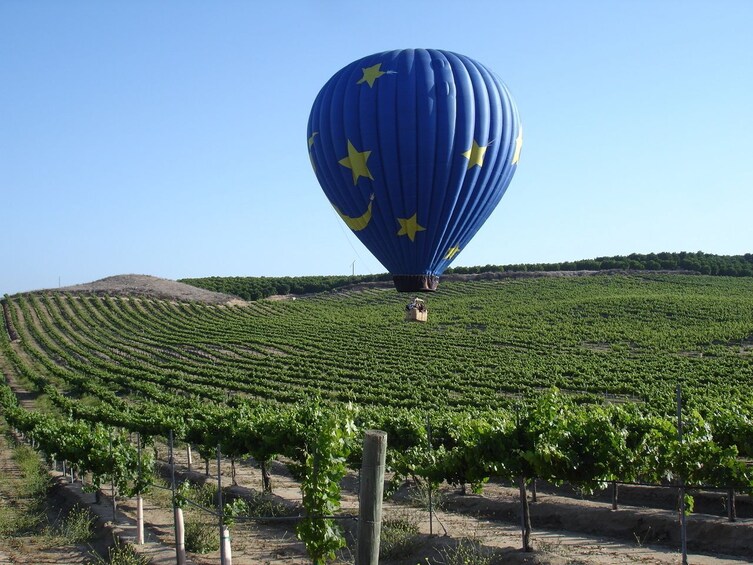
(561, 440)
(96, 442)
(616, 335)
(550, 438)
(463, 398)
(701, 337)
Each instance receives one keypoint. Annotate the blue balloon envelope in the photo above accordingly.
(414, 149)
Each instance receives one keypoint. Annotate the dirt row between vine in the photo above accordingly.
(492, 520)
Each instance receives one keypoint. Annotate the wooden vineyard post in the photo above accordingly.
(139, 500)
(112, 489)
(140, 520)
(371, 493)
(731, 511)
(683, 519)
(225, 541)
(180, 535)
(525, 514)
(189, 457)
(225, 556)
(428, 483)
(266, 477)
(114, 503)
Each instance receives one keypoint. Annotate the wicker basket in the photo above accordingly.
(416, 311)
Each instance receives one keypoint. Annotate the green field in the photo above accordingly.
(468, 396)
(485, 341)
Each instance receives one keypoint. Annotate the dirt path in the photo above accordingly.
(488, 520)
(122, 524)
(21, 546)
(149, 286)
(35, 549)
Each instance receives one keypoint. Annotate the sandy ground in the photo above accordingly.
(153, 287)
(489, 519)
(33, 547)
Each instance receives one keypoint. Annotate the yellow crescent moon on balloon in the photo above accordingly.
(357, 223)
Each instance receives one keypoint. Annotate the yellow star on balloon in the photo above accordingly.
(356, 162)
(451, 252)
(370, 74)
(475, 154)
(518, 146)
(409, 227)
(311, 139)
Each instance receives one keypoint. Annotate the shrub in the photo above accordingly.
(201, 537)
(466, 552)
(120, 554)
(77, 526)
(398, 537)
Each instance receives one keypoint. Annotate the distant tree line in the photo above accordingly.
(256, 288)
(700, 262)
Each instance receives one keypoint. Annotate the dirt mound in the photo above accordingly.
(152, 287)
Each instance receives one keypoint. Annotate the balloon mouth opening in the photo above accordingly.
(416, 283)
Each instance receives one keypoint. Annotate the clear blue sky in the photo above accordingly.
(169, 138)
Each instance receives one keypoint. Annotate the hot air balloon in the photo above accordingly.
(414, 149)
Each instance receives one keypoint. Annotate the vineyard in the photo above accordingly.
(569, 380)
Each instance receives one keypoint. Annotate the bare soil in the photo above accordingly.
(38, 545)
(150, 287)
(567, 530)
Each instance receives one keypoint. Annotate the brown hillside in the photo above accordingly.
(152, 287)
